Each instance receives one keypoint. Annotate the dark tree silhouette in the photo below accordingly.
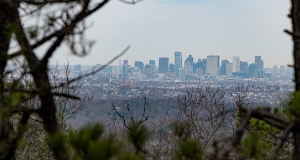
(50, 24)
(289, 125)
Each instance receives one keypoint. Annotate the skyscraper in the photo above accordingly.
(188, 68)
(213, 65)
(282, 71)
(253, 69)
(163, 64)
(171, 67)
(177, 61)
(228, 69)
(139, 65)
(244, 67)
(235, 64)
(200, 64)
(258, 61)
(275, 70)
(189, 59)
(223, 67)
(125, 62)
(188, 65)
(152, 62)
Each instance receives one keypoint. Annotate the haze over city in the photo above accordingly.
(157, 28)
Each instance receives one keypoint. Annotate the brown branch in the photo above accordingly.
(120, 115)
(223, 152)
(294, 35)
(12, 144)
(66, 29)
(265, 115)
(283, 139)
(52, 49)
(66, 95)
(143, 118)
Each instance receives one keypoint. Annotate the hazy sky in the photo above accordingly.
(156, 28)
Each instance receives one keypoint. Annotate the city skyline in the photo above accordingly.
(156, 28)
(209, 68)
(183, 59)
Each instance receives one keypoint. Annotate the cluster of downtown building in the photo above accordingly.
(188, 69)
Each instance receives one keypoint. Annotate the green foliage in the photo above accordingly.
(32, 32)
(253, 147)
(15, 98)
(56, 140)
(129, 156)
(104, 148)
(181, 130)
(190, 149)
(82, 139)
(187, 147)
(138, 136)
(262, 138)
(295, 105)
(90, 143)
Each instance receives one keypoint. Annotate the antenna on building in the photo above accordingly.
(229, 56)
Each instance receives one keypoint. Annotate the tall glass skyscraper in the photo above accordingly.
(188, 65)
(223, 67)
(258, 61)
(177, 61)
(213, 63)
(253, 69)
(235, 64)
(163, 64)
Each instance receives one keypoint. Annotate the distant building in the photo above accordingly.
(200, 64)
(148, 68)
(125, 62)
(189, 60)
(124, 69)
(177, 61)
(188, 65)
(258, 61)
(223, 67)
(228, 69)
(172, 68)
(275, 70)
(253, 69)
(282, 71)
(213, 65)
(235, 64)
(188, 68)
(139, 65)
(199, 72)
(204, 61)
(181, 73)
(77, 67)
(152, 62)
(163, 64)
(244, 67)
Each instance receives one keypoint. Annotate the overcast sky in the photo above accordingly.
(157, 28)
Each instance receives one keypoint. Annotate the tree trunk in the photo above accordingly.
(295, 16)
(6, 128)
